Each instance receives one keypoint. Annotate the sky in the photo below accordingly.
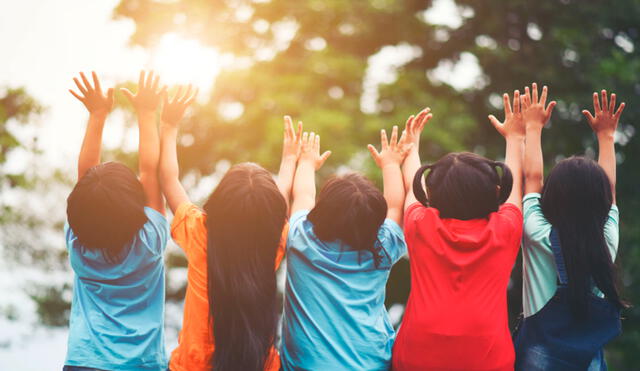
(48, 42)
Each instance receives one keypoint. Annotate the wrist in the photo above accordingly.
(516, 137)
(98, 115)
(146, 113)
(605, 135)
(390, 165)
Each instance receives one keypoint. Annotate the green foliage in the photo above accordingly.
(52, 307)
(574, 47)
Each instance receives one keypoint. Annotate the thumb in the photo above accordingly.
(550, 107)
(407, 149)
(324, 158)
(374, 152)
(496, 124)
(127, 94)
(588, 115)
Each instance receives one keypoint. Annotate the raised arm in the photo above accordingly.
(536, 113)
(99, 105)
(411, 135)
(389, 160)
(304, 184)
(146, 102)
(172, 113)
(513, 130)
(290, 153)
(604, 124)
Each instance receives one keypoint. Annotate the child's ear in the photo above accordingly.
(498, 191)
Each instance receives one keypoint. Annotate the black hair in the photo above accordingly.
(464, 185)
(105, 209)
(576, 200)
(246, 215)
(350, 209)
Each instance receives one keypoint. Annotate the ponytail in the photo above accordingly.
(505, 181)
(418, 190)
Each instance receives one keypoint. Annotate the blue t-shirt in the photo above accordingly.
(334, 313)
(117, 313)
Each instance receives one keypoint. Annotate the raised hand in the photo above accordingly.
(606, 116)
(393, 152)
(415, 125)
(292, 142)
(534, 111)
(173, 111)
(513, 121)
(310, 150)
(149, 94)
(96, 102)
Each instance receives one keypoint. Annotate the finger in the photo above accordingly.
(423, 122)
(79, 97)
(177, 95)
(79, 85)
(193, 96)
(156, 83)
(288, 127)
(543, 97)
(186, 93)
(317, 143)
(141, 80)
(127, 94)
(403, 137)
(394, 136)
(612, 102)
(549, 109)
(383, 140)
(506, 103)
(110, 95)
(312, 139)
(324, 157)
(496, 124)
(605, 106)
(163, 90)
(619, 111)
(96, 82)
(299, 133)
(516, 101)
(149, 81)
(305, 138)
(588, 115)
(524, 100)
(86, 82)
(423, 117)
(374, 152)
(408, 125)
(534, 97)
(165, 98)
(596, 104)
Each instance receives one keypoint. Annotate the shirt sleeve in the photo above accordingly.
(188, 227)
(296, 224)
(536, 226)
(411, 215)
(391, 238)
(282, 246)
(511, 220)
(156, 230)
(612, 231)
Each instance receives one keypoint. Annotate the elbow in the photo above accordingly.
(533, 175)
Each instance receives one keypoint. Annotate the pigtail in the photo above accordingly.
(505, 181)
(418, 190)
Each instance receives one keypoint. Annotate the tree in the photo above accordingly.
(318, 74)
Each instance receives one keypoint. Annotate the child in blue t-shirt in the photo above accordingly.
(339, 254)
(116, 236)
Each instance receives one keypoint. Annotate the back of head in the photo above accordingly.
(576, 200)
(350, 209)
(464, 186)
(105, 210)
(246, 215)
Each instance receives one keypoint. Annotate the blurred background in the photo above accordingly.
(346, 68)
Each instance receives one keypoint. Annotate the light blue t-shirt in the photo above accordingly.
(334, 314)
(117, 313)
(539, 274)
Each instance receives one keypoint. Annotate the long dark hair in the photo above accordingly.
(576, 200)
(245, 218)
(105, 209)
(464, 185)
(350, 209)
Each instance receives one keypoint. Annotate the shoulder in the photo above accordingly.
(189, 223)
(297, 219)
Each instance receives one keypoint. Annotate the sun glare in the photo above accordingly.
(186, 61)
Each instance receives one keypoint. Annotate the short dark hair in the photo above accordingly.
(350, 209)
(464, 185)
(576, 200)
(105, 209)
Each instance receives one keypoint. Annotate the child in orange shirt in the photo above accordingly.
(232, 246)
